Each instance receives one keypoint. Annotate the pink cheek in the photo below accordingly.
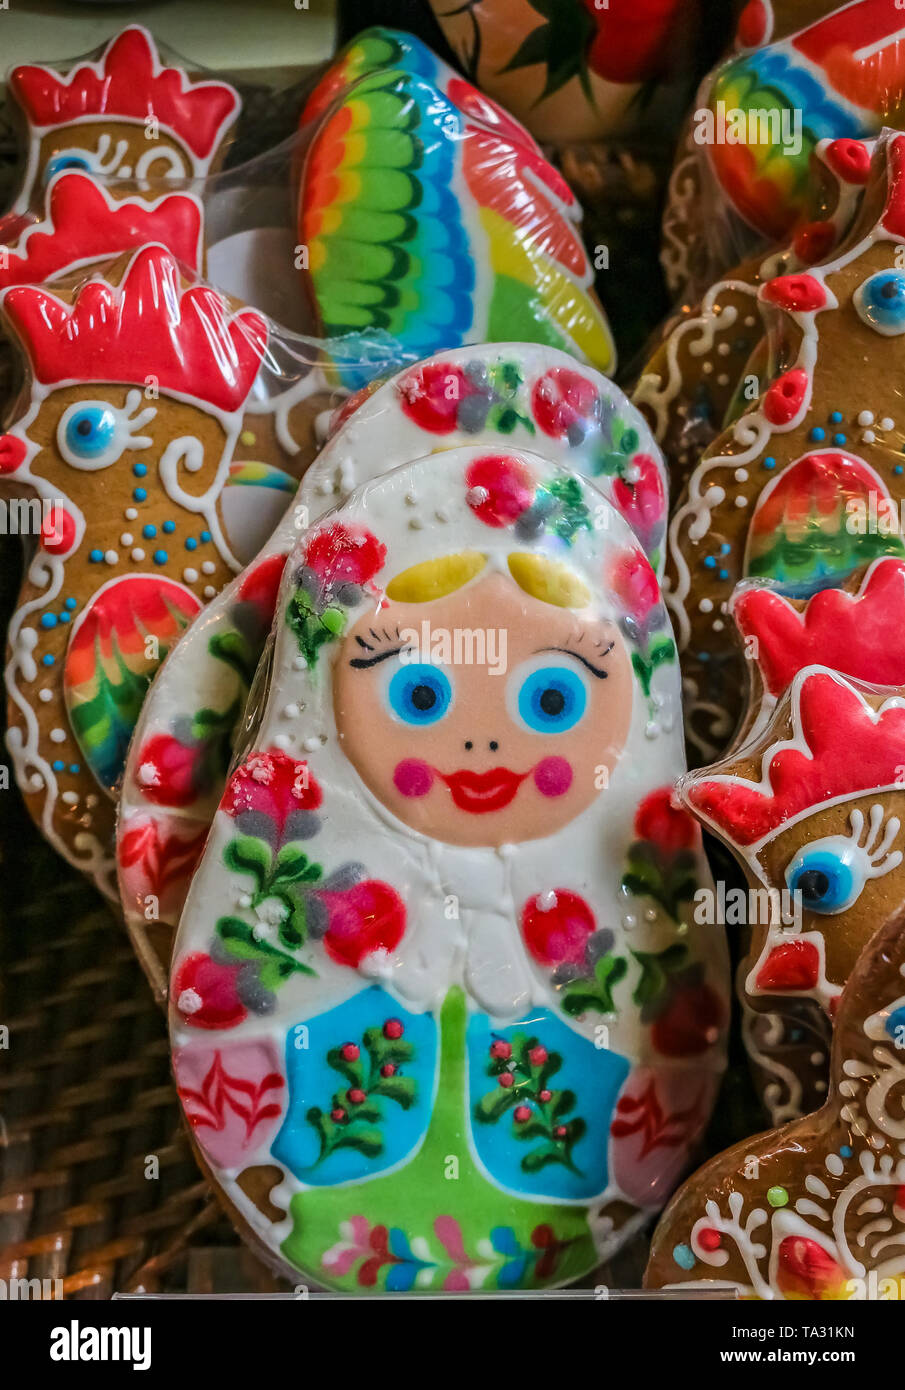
(413, 778)
(553, 776)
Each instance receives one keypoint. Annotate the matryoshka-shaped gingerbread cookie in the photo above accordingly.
(441, 928)
(123, 115)
(124, 443)
(495, 395)
(813, 1210)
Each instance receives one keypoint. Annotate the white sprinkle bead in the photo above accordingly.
(190, 575)
(866, 417)
(209, 591)
(208, 567)
(45, 695)
(887, 424)
(111, 557)
(138, 554)
(131, 513)
(58, 735)
(126, 538)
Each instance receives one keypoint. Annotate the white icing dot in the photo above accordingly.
(36, 781)
(868, 437)
(45, 695)
(282, 740)
(546, 901)
(91, 800)
(131, 513)
(209, 591)
(138, 553)
(110, 557)
(299, 664)
(245, 900)
(148, 776)
(630, 921)
(866, 417)
(887, 424)
(834, 1164)
(741, 501)
(190, 576)
(189, 1001)
(718, 625)
(749, 320)
(416, 524)
(722, 379)
(817, 1058)
(723, 349)
(70, 798)
(707, 368)
(58, 735)
(706, 605)
(475, 496)
(741, 475)
(291, 711)
(411, 498)
(311, 745)
(441, 514)
(208, 567)
(126, 538)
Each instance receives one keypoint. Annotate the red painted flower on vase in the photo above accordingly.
(344, 554)
(275, 786)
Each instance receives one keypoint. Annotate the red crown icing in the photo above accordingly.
(189, 340)
(861, 635)
(83, 224)
(128, 81)
(848, 750)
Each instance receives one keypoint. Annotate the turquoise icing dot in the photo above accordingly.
(48, 619)
(836, 417)
(149, 531)
(139, 494)
(58, 765)
(96, 556)
(71, 603)
(191, 543)
(139, 469)
(47, 660)
(703, 656)
(160, 557)
(724, 574)
(845, 1151)
(684, 1256)
(898, 470)
(710, 562)
(205, 536)
(169, 527)
(817, 434)
(770, 462)
(838, 438)
(725, 548)
(74, 767)
(64, 616)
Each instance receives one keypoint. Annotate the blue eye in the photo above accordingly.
(90, 431)
(895, 1025)
(827, 879)
(420, 694)
(65, 161)
(552, 700)
(880, 302)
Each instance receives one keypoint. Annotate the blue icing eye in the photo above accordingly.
(90, 431)
(420, 694)
(59, 162)
(880, 302)
(552, 700)
(827, 880)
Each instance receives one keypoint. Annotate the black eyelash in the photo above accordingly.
(567, 651)
(361, 663)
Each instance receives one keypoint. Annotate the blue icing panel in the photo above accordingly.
(384, 1093)
(545, 1133)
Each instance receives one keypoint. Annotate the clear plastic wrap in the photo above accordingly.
(802, 71)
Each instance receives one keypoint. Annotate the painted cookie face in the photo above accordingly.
(472, 238)
(510, 394)
(509, 749)
(392, 990)
(123, 117)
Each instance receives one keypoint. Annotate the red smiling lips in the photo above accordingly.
(483, 791)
